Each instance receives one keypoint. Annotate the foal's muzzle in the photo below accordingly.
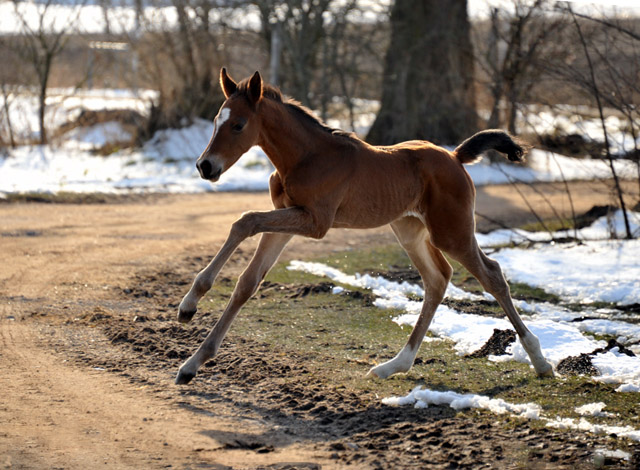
(208, 170)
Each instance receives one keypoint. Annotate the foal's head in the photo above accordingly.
(235, 128)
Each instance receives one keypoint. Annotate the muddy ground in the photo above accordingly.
(90, 347)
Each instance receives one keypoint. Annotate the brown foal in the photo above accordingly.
(326, 178)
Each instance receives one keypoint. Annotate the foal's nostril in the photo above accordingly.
(205, 169)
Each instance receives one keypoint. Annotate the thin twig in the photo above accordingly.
(602, 121)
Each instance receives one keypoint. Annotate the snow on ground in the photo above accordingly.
(167, 162)
(593, 409)
(574, 120)
(601, 229)
(559, 337)
(611, 273)
(422, 398)
(65, 105)
(595, 270)
(546, 166)
(606, 271)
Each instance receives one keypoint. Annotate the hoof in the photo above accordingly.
(546, 373)
(185, 317)
(184, 378)
(378, 372)
(372, 374)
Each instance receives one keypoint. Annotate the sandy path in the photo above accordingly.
(56, 416)
(66, 258)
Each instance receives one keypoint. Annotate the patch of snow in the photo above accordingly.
(628, 388)
(99, 135)
(601, 229)
(615, 367)
(469, 332)
(586, 426)
(625, 332)
(165, 164)
(379, 285)
(65, 104)
(546, 166)
(421, 398)
(614, 454)
(594, 271)
(557, 341)
(593, 409)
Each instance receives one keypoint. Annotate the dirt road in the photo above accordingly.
(62, 264)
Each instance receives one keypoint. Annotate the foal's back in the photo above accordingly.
(414, 177)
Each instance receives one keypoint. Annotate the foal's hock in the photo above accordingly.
(327, 178)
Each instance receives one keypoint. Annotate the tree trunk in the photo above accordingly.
(428, 80)
(45, 73)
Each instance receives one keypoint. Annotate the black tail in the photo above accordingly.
(471, 149)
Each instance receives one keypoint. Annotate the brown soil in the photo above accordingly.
(90, 347)
(497, 345)
(582, 364)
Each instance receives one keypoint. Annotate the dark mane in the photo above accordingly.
(298, 110)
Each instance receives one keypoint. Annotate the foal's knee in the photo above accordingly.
(245, 226)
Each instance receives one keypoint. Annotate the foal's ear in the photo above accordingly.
(255, 88)
(229, 87)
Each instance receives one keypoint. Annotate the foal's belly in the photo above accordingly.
(369, 215)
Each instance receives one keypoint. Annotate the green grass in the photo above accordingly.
(340, 338)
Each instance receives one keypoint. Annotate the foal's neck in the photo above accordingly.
(285, 140)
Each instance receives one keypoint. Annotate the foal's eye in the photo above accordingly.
(238, 126)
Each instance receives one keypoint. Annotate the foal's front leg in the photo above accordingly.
(281, 225)
(293, 220)
(204, 280)
(270, 247)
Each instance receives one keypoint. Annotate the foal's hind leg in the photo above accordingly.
(488, 272)
(268, 251)
(435, 272)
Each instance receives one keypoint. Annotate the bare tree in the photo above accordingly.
(184, 69)
(40, 45)
(6, 113)
(428, 88)
(604, 69)
(301, 28)
(520, 41)
(596, 93)
(353, 56)
(620, 61)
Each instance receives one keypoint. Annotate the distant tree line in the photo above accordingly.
(437, 75)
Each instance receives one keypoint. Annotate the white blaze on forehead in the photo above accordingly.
(221, 118)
